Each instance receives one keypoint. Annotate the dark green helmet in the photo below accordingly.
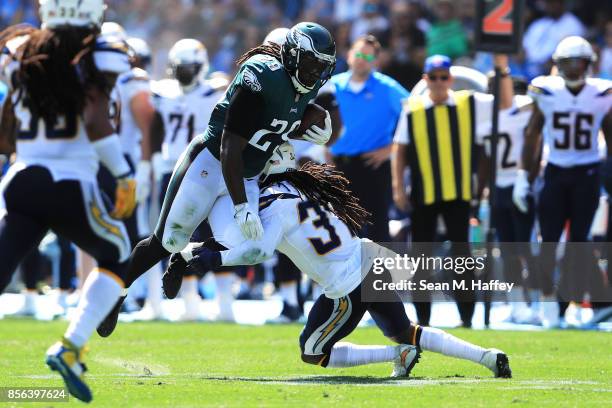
(309, 56)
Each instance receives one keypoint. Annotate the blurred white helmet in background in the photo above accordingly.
(140, 49)
(77, 13)
(112, 29)
(573, 56)
(188, 60)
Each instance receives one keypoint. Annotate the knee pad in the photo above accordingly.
(174, 240)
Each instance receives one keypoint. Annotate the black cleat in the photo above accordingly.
(503, 366)
(497, 361)
(173, 277)
(289, 314)
(107, 327)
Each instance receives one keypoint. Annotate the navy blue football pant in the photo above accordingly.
(514, 227)
(331, 320)
(35, 262)
(569, 194)
(73, 209)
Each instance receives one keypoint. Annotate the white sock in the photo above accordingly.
(224, 282)
(189, 287)
(439, 341)
(348, 355)
(100, 293)
(154, 286)
(288, 292)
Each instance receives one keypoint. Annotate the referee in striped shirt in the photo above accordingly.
(436, 137)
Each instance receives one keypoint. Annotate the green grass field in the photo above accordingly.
(181, 365)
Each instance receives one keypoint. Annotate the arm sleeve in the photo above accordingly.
(401, 131)
(244, 112)
(484, 111)
(397, 94)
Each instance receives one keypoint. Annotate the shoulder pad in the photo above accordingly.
(603, 86)
(165, 88)
(544, 85)
(218, 83)
(523, 102)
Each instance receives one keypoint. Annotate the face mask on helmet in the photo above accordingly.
(311, 69)
(309, 56)
(187, 74)
(573, 70)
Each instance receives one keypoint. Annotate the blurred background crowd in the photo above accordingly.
(409, 30)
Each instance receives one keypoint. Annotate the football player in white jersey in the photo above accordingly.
(513, 227)
(570, 110)
(59, 104)
(183, 106)
(132, 113)
(312, 217)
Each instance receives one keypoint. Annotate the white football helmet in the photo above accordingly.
(112, 29)
(188, 60)
(78, 13)
(140, 49)
(277, 36)
(282, 160)
(568, 56)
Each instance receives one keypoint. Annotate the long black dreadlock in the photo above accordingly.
(328, 187)
(271, 49)
(56, 68)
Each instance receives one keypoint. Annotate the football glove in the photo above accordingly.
(521, 190)
(125, 198)
(249, 221)
(143, 181)
(319, 136)
(204, 260)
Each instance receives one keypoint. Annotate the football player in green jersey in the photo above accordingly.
(262, 108)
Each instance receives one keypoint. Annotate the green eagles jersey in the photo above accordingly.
(284, 108)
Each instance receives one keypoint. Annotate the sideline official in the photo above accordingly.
(436, 137)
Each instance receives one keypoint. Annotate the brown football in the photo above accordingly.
(313, 115)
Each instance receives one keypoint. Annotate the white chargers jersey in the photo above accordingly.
(62, 147)
(571, 122)
(315, 239)
(512, 124)
(129, 84)
(184, 115)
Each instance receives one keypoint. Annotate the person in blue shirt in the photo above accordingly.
(370, 105)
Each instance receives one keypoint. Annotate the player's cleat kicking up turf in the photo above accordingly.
(497, 361)
(407, 357)
(67, 360)
(109, 323)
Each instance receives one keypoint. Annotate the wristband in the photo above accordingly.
(111, 155)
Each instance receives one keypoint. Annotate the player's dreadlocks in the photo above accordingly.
(323, 184)
(55, 65)
(271, 49)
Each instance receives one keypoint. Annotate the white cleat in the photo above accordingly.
(29, 306)
(497, 361)
(147, 313)
(407, 357)
(549, 313)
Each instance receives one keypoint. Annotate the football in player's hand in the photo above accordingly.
(313, 115)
